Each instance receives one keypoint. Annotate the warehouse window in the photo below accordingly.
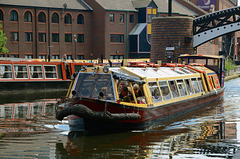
(55, 18)
(68, 19)
(28, 16)
(13, 16)
(117, 38)
(42, 17)
(80, 19)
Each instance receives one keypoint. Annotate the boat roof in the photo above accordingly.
(201, 56)
(150, 72)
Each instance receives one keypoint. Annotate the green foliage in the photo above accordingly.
(3, 41)
(229, 64)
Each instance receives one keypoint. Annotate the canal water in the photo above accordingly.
(28, 129)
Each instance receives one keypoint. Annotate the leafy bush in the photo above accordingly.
(229, 64)
(3, 41)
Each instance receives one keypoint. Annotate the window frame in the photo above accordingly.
(55, 57)
(67, 18)
(32, 72)
(42, 37)
(80, 38)
(13, 36)
(111, 17)
(121, 18)
(27, 16)
(30, 38)
(162, 88)
(66, 37)
(55, 38)
(182, 83)
(80, 19)
(117, 38)
(55, 19)
(3, 72)
(42, 17)
(13, 16)
(54, 72)
(190, 89)
(23, 72)
(131, 18)
(82, 57)
(152, 89)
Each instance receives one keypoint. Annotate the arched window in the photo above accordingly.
(80, 19)
(1, 15)
(42, 17)
(68, 19)
(13, 15)
(28, 16)
(55, 18)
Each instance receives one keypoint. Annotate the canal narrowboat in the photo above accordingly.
(140, 94)
(20, 74)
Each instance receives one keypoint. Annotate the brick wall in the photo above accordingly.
(171, 31)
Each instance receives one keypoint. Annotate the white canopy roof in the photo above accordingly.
(150, 72)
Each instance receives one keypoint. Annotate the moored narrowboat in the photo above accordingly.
(20, 74)
(140, 94)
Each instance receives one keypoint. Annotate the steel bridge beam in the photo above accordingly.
(213, 25)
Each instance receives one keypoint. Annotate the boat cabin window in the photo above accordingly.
(50, 71)
(165, 90)
(124, 90)
(89, 86)
(35, 71)
(126, 93)
(21, 71)
(174, 89)
(211, 82)
(216, 81)
(200, 84)
(195, 85)
(155, 92)
(181, 87)
(5, 71)
(189, 86)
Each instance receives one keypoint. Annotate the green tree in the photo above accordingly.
(3, 41)
(229, 64)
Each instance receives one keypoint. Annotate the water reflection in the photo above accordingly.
(21, 119)
(199, 134)
(29, 96)
(30, 130)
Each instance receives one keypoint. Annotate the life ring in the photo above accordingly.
(196, 64)
(141, 65)
(156, 65)
(180, 65)
(171, 65)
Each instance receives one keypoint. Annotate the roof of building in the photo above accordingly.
(71, 4)
(131, 5)
(117, 5)
(176, 8)
(141, 3)
(138, 29)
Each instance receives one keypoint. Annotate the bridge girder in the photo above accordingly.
(215, 24)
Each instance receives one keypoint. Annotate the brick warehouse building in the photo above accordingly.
(36, 28)
(84, 29)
